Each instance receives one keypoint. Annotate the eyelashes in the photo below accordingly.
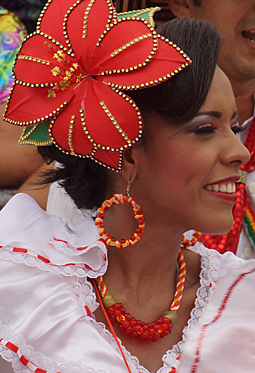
(205, 129)
(209, 128)
(236, 128)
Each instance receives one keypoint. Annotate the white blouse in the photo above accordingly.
(47, 303)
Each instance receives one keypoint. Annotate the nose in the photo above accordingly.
(235, 152)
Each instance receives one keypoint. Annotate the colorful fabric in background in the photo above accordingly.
(27, 10)
(12, 33)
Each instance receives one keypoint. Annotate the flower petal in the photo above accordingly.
(85, 24)
(109, 159)
(51, 19)
(127, 44)
(66, 130)
(29, 106)
(34, 62)
(109, 115)
(168, 61)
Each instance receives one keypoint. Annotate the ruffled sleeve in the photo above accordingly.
(46, 308)
(46, 324)
(30, 235)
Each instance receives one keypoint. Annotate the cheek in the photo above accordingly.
(178, 160)
(226, 26)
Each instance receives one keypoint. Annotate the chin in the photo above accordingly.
(222, 227)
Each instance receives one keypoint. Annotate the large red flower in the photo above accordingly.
(73, 70)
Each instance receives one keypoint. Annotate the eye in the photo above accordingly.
(236, 128)
(205, 129)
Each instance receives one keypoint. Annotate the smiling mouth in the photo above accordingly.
(249, 35)
(229, 188)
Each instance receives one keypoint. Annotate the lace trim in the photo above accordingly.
(31, 259)
(208, 279)
(87, 298)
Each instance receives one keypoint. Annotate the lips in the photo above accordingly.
(227, 187)
(249, 35)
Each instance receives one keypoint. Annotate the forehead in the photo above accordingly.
(220, 96)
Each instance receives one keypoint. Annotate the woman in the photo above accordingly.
(56, 317)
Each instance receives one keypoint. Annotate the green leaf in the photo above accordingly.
(146, 14)
(36, 135)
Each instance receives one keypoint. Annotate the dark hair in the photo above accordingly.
(177, 100)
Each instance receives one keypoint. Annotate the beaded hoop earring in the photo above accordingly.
(187, 243)
(138, 215)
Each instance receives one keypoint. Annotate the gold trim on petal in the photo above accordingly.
(85, 22)
(129, 44)
(139, 13)
(152, 34)
(156, 81)
(70, 134)
(23, 139)
(34, 59)
(115, 123)
(36, 121)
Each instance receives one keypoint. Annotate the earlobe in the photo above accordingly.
(180, 8)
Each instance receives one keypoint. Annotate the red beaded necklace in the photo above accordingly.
(136, 328)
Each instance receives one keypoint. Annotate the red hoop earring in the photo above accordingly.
(138, 215)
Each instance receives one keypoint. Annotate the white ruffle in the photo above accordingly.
(79, 251)
(68, 291)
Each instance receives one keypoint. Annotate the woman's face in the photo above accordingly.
(187, 175)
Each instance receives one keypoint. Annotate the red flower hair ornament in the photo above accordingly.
(70, 75)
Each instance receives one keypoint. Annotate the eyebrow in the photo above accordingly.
(215, 114)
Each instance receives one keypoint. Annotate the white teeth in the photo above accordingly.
(223, 188)
(252, 41)
(216, 188)
(229, 188)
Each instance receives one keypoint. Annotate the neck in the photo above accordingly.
(145, 257)
(148, 257)
(140, 272)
